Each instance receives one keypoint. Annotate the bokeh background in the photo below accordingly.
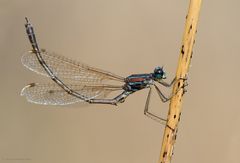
(124, 37)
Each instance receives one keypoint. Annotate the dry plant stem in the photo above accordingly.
(174, 113)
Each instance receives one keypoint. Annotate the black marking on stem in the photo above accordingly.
(174, 116)
(190, 28)
(164, 154)
(182, 50)
(178, 84)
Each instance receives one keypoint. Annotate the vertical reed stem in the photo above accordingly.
(175, 106)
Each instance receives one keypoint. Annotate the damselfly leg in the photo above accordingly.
(167, 84)
(163, 99)
(149, 114)
(172, 82)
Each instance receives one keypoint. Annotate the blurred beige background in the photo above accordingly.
(124, 37)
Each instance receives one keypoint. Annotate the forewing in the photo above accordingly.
(65, 68)
(52, 94)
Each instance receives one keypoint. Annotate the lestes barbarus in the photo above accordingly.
(84, 83)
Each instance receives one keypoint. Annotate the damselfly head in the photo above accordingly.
(159, 73)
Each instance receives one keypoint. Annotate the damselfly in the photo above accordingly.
(77, 82)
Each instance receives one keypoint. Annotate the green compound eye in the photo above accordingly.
(159, 73)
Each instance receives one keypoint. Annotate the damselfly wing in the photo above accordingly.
(52, 94)
(84, 79)
(66, 68)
